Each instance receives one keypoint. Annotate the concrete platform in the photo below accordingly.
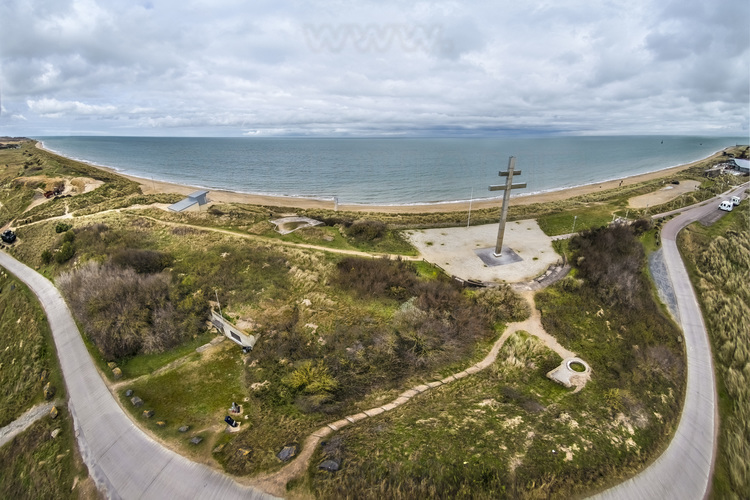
(468, 252)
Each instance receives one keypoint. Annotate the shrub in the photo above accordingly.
(142, 261)
(46, 256)
(501, 304)
(376, 277)
(62, 227)
(65, 252)
(611, 258)
(367, 230)
(125, 313)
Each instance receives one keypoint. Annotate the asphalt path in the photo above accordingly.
(123, 461)
(685, 468)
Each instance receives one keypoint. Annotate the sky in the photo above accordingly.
(385, 68)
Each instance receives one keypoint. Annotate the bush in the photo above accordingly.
(611, 259)
(65, 252)
(376, 277)
(46, 257)
(125, 313)
(501, 304)
(142, 261)
(62, 227)
(367, 230)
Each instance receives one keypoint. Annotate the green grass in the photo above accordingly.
(148, 363)
(35, 465)
(27, 350)
(197, 393)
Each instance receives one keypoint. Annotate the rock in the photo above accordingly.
(54, 433)
(49, 391)
(128, 393)
(287, 452)
(117, 373)
(54, 412)
(330, 465)
(218, 449)
(111, 365)
(44, 376)
(184, 428)
(196, 440)
(136, 401)
(161, 423)
(148, 413)
(243, 452)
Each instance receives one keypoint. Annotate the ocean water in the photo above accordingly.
(386, 171)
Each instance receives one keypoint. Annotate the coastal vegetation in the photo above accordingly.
(718, 260)
(509, 431)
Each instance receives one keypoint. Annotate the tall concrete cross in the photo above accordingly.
(506, 198)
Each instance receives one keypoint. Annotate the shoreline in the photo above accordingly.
(151, 186)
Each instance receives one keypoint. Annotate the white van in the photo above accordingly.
(736, 200)
(726, 205)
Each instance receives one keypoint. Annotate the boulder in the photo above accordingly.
(49, 391)
(44, 376)
(117, 373)
(196, 440)
(287, 452)
(136, 401)
(184, 428)
(54, 412)
(330, 465)
(128, 393)
(148, 413)
(54, 433)
(161, 423)
(111, 365)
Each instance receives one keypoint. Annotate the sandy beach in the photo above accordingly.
(149, 186)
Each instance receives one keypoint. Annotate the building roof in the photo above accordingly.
(198, 194)
(183, 204)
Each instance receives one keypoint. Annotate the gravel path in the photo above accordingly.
(23, 422)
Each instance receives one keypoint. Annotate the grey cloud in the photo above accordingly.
(229, 68)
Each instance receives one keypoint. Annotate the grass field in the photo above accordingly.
(26, 356)
(35, 465)
(718, 259)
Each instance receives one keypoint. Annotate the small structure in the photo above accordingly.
(247, 342)
(742, 166)
(192, 203)
(572, 372)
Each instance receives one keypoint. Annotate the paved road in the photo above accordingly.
(124, 462)
(685, 468)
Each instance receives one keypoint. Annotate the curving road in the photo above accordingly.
(685, 468)
(123, 461)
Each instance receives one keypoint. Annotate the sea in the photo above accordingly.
(387, 171)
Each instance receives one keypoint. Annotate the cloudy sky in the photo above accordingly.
(266, 68)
